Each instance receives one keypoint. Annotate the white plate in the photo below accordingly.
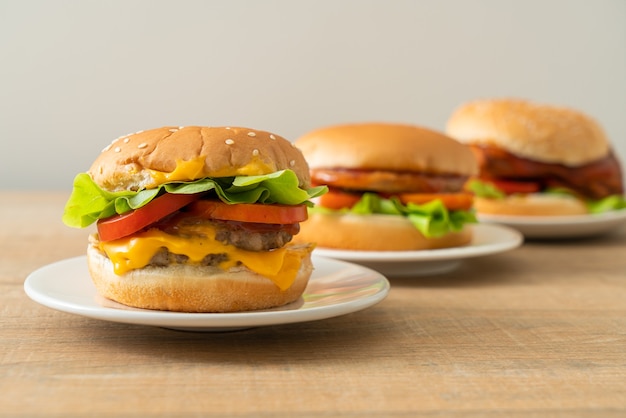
(487, 239)
(574, 226)
(335, 288)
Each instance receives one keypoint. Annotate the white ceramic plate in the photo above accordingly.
(546, 227)
(335, 288)
(488, 239)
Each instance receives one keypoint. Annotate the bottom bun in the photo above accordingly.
(373, 233)
(535, 204)
(190, 288)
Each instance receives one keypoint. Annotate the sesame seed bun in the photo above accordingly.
(373, 233)
(128, 162)
(538, 132)
(385, 146)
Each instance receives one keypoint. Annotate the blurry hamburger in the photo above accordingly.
(196, 219)
(392, 187)
(537, 160)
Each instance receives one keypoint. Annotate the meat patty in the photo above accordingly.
(595, 180)
(164, 258)
(254, 237)
(388, 181)
(247, 236)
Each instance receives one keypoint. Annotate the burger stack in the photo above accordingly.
(538, 160)
(224, 219)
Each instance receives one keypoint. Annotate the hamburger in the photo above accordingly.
(391, 187)
(537, 160)
(196, 219)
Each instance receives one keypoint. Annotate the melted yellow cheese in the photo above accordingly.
(280, 265)
(194, 169)
(184, 171)
(255, 167)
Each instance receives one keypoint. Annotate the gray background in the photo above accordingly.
(76, 74)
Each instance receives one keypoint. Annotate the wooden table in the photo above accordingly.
(540, 331)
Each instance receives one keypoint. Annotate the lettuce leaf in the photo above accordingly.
(484, 189)
(606, 204)
(432, 219)
(88, 202)
(609, 203)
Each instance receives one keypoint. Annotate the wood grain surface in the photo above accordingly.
(537, 331)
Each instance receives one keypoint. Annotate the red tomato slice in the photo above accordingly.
(452, 201)
(248, 212)
(119, 226)
(510, 186)
(335, 199)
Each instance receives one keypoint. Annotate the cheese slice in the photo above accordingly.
(184, 171)
(197, 241)
(194, 169)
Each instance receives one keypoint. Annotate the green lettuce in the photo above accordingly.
(432, 219)
(484, 189)
(88, 202)
(609, 203)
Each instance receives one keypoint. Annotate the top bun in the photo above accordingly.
(537, 132)
(384, 146)
(134, 161)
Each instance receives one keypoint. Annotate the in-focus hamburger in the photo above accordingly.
(538, 160)
(196, 219)
(392, 187)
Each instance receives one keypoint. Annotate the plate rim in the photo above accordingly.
(569, 220)
(561, 227)
(205, 321)
(515, 239)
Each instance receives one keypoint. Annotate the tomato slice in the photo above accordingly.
(335, 199)
(119, 226)
(248, 212)
(452, 201)
(511, 186)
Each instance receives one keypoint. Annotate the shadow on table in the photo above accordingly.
(344, 337)
(538, 257)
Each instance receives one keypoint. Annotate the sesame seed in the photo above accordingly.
(181, 127)
(173, 130)
(292, 163)
(105, 149)
(255, 152)
(272, 136)
(228, 127)
(229, 141)
(115, 140)
(251, 134)
(138, 132)
(142, 145)
(126, 140)
(117, 149)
